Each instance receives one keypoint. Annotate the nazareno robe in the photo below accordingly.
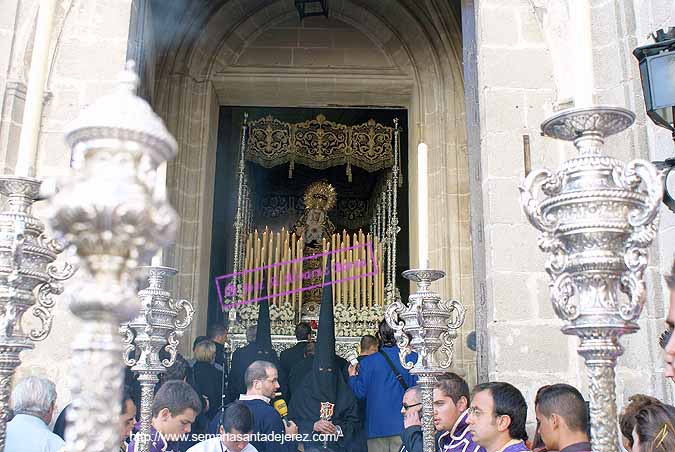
(325, 382)
(306, 404)
(261, 350)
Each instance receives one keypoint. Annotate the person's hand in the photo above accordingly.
(291, 428)
(412, 417)
(353, 370)
(323, 426)
(206, 403)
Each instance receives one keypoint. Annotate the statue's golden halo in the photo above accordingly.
(320, 195)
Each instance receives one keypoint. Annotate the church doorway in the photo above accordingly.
(368, 54)
(277, 192)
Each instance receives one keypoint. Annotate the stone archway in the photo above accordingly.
(206, 65)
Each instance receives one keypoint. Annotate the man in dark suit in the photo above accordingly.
(217, 333)
(241, 359)
(293, 355)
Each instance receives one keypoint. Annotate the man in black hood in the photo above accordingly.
(323, 402)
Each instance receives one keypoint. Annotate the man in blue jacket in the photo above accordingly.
(381, 380)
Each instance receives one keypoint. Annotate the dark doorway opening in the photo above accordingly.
(272, 187)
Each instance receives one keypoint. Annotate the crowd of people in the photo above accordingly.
(310, 399)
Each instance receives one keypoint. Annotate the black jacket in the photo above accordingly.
(241, 359)
(208, 382)
(292, 356)
(412, 439)
(266, 420)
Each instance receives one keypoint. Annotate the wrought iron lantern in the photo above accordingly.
(309, 8)
(657, 70)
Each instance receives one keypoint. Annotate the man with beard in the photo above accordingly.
(323, 405)
(262, 382)
(261, 349)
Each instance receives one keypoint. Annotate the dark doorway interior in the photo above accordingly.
(271, 186)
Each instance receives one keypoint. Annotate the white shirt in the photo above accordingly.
(26, 433)
(214, 445)
(254, 397)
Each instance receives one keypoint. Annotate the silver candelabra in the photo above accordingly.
(109, 209)
(26, 264)
(597, 219)
(158, 326)
(427, 325)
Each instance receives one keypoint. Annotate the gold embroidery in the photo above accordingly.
(320, 144)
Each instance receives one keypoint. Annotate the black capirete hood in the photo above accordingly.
(263, 337)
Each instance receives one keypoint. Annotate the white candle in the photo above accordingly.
(160, 182)
(157, 259)
(422, 207)
(159, 194)
(35, 92)
(580, 16)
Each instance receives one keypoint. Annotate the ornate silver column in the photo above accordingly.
(109, 210)
(597, 219)
(158, 326)
(243, 217)
(26, 264)
(432, 324)
(393, 228)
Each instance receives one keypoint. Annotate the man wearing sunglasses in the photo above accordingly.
(451, 400)
(411, 436)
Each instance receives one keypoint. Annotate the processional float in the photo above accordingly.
(367, 260)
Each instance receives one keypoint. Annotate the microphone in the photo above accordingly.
(282, 409)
